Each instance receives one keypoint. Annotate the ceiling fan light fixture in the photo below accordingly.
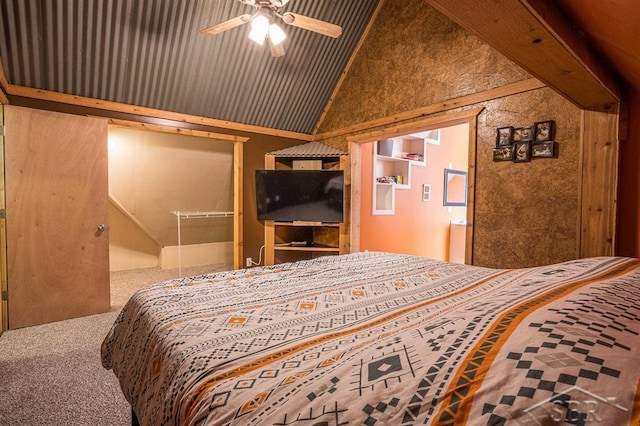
(264, 29)
(259, 29)
(276, 34)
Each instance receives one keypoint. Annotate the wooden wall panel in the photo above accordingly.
(57, 196)
(599, 183)
(628, 205)
(238, 207)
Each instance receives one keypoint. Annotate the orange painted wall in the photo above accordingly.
(419, 228)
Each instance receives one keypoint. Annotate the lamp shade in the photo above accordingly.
(259, 29)
(276, 34)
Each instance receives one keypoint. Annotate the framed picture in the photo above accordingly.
(543, 149)
(504, 136)
(543, 131)
(503, 153)
(523, 134)
(521, 152)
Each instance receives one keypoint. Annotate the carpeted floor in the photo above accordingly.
(51, 374)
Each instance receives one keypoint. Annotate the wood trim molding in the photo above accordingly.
(535, 35)
(471, 193)
(4, 319)
(343, 238)
(427, 123)
(4, 309)
(175, 130)
(463, 101)
(269, 225)
(348, 67)
(355, 172)
(238, 207)
(46, 95)
(450, 119)
(549, 15)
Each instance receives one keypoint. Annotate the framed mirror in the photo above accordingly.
(455, 187)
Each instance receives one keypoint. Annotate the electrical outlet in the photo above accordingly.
(249, 261)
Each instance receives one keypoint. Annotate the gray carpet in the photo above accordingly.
(51, 374)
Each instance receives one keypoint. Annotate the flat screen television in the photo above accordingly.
(300, 195)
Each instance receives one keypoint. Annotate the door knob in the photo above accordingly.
(102, 227)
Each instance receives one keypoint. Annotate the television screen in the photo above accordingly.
(300, 195)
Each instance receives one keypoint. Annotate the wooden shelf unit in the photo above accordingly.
(319, 238)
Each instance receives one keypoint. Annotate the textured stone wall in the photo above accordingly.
(526, 214)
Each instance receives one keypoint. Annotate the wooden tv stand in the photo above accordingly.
(300, 240)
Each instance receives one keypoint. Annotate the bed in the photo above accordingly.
(384, 339)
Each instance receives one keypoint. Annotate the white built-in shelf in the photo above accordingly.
(395, 158)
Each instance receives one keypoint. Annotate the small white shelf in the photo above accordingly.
(384, 199)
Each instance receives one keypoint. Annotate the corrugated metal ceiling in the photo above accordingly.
(150, 53)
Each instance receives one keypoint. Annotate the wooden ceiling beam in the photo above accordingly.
(437, 108)
(175, 130)
(63, 98)
(538, 37)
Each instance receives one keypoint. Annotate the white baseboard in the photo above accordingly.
(196, 254)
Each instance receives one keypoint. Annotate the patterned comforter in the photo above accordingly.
(384, 339)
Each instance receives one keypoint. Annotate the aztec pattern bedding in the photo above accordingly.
(385, 339)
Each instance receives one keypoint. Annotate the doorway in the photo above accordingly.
(160, 178)
(421, 223)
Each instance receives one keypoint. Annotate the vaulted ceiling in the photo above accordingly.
(150, 53)
(611, 27)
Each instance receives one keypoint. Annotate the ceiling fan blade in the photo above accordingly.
(226, 25)
(277, 50)
(312, 24)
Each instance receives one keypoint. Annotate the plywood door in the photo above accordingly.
(57, 195)
(3, 245)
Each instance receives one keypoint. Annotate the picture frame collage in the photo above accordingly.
(521, 144)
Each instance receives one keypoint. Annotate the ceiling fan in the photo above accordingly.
(265, 28)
